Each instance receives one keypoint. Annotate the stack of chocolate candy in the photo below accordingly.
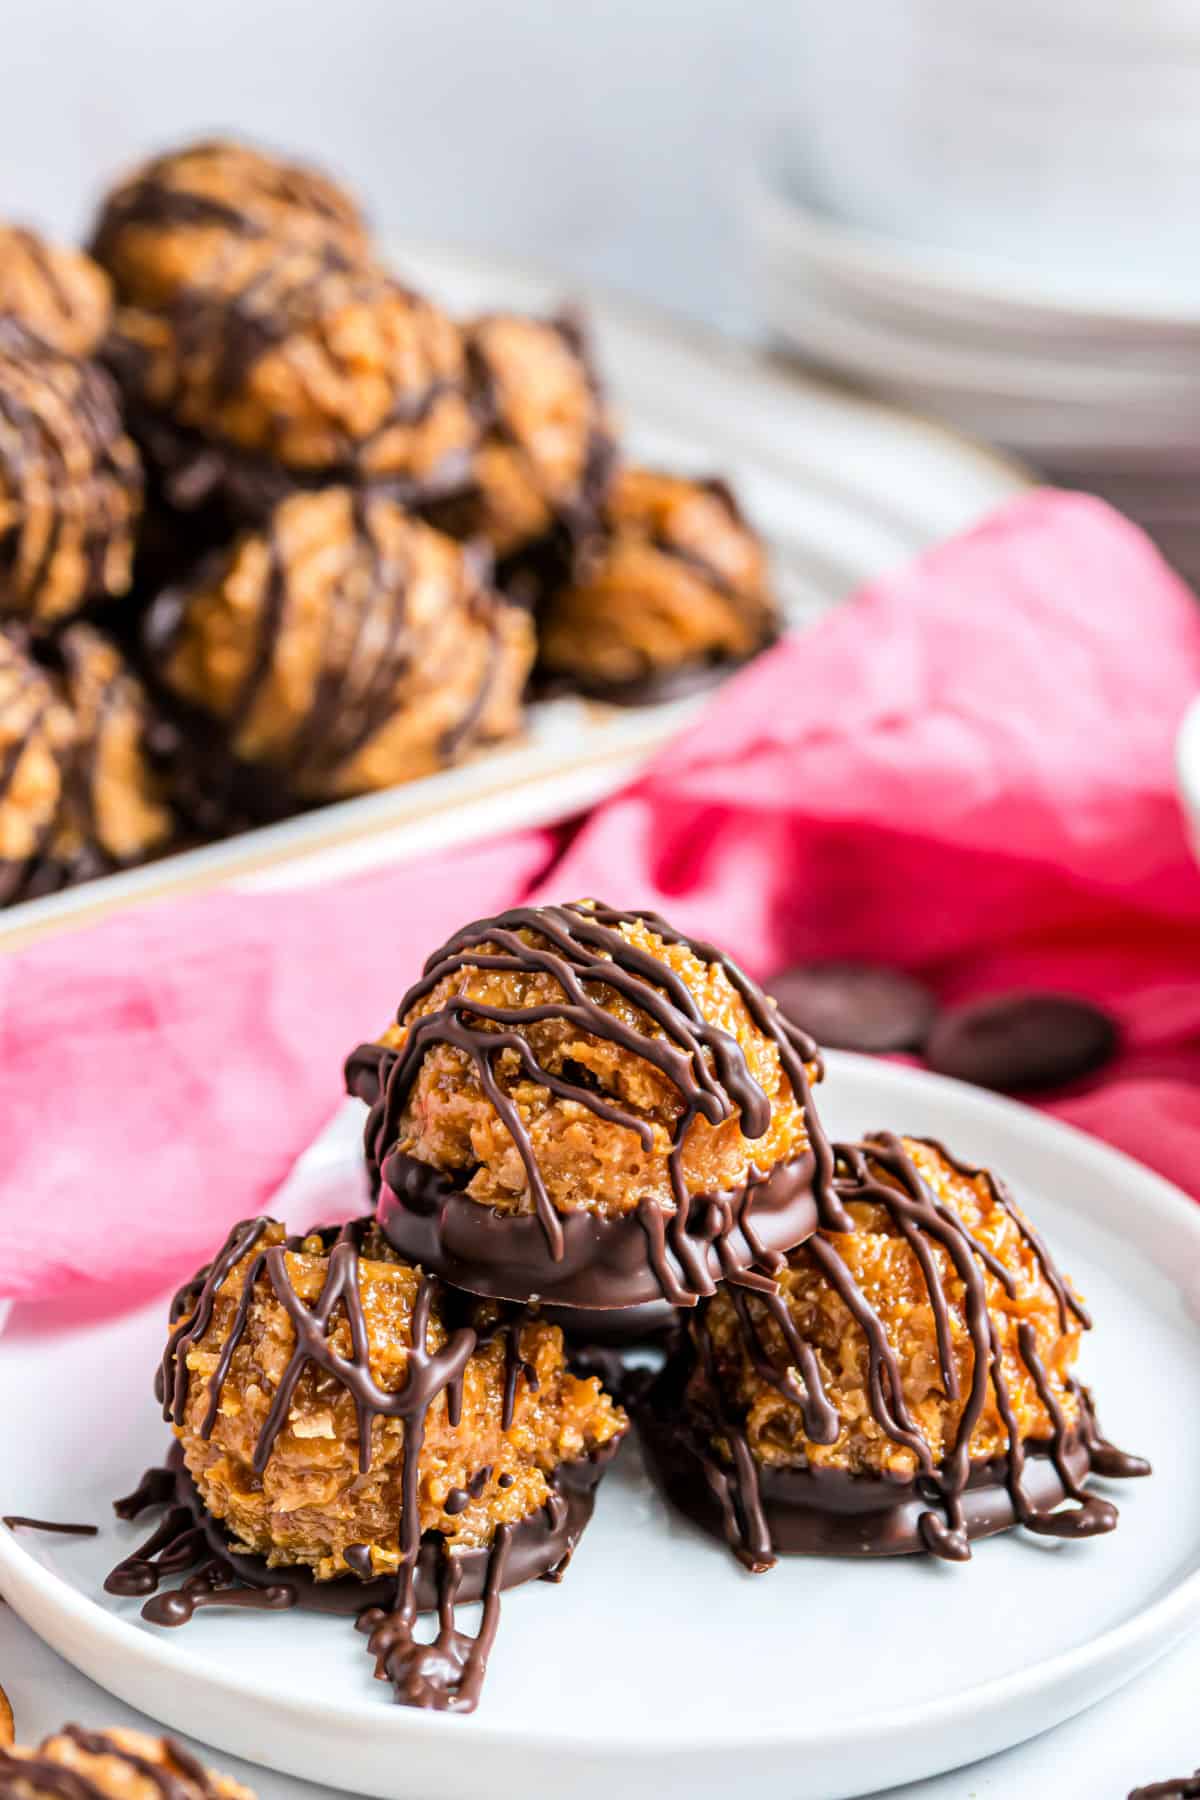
(585, 1124)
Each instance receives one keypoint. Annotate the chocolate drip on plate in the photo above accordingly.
(445, 1675)
(18, 1521)
(190, 1542)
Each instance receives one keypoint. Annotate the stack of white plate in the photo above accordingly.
(986, 209)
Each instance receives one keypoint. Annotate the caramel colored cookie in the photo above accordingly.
(191, 218)
(676, 587)
(345, 648)
(584, 1106)
(79, 795)
(1022, 1041)
(78, 1764)
(487, 1398)
(298, 374)
(58, 294)
(910, 1386)
(6, 1720)
(70, 483)
(113, 812)
(36, 738)
(547, 449)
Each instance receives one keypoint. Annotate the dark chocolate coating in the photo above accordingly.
(540, 1544)
(1023, 1040)
(856, 1006)
(827, 1512)
(625, 1260)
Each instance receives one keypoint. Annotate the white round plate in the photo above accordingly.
(992, 292)
(659, 1664)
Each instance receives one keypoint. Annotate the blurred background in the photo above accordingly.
(604, 139)
(981, 209)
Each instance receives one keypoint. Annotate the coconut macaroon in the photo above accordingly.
(586, 1106)
(344, 648)
(298, 1441)
(298, 373)
(70, 483)
(78, 1764)
(547, 449)
(56, 292)
(36, 738)
(910, 1385)
(353, 1436)
(185, 219)
(114, 811)
(672, 589)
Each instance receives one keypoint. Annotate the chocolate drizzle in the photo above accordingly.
(582, 947)
(445, 1675)
(366, 664)
(576, 517)
(18, 1522)
(939, 1510)
(73, 478)
(222, 328)
(296, 200)
(181, 1778)
(188, 1541)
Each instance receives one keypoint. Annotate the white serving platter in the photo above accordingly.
(659, 1665)
(844, 490)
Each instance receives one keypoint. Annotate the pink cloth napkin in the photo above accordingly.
(968, 772)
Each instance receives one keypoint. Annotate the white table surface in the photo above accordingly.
(1147, 1732)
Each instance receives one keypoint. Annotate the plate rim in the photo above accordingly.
(1154, 1626)
(781, 204)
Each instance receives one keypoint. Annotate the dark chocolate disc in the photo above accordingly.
(1024, 1040)
(856, 1006)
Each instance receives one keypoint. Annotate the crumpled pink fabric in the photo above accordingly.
(967, 771)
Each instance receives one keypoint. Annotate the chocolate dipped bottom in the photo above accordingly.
(629, 1262)
(354, 1437)
(583, 1107)
(189, 1541)
(908, 1387)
